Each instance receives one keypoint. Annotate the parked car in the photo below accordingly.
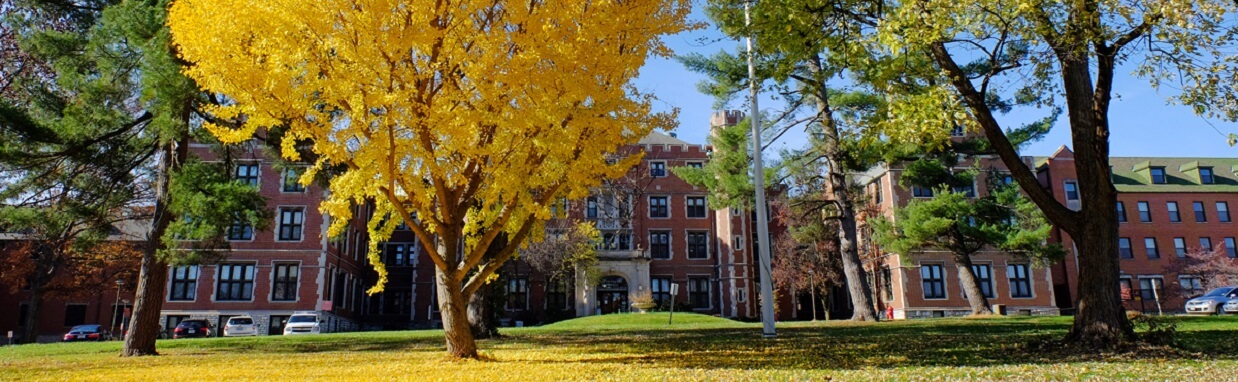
(1213, 301)
(240, 326)
(1231, 307)
(193, 328)
(302, 323)
(87, 333)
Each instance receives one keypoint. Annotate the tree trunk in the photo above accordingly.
(813, 299)
(967, 278)
(853, 268)
(153, 278)
(1101, 320)
(454, 309)
(483, 314)
(31, 331)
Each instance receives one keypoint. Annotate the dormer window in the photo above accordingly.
(1205, 175)
(1158, 175)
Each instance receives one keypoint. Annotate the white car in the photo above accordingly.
(302, 323)
(240, 326)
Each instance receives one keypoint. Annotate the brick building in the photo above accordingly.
(272, 273)
(925, 284)
(1166, 208)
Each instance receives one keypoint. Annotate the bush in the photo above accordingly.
(1155, 330)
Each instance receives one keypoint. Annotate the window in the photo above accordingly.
(658, 207)
(1124, 284)
(737, 243)
(1020, 284)
(399, 254)
(1144, 215)
(1205, 243)
(934, 281)
(697, 247)
(887, 284)
(291, 219)
(74, 314)
(247, 173)
(661, 290)
(591, 208)
(698, 292)
(556, 295)
(1007, 179)
(921, 192)
(1191, 285)
(236, 282)
(292, 180)
(1230, 248)
(517, 293)
(660, 244)
(621, 241)
(1151, 288)
(657, 169)
(984, 279)
(1223, 212)
(1173, 212)
(240, 230)
(1124, 248)
(1149, 243)
(184, 283)
(558, 208)
(1121, 213)
(1158, 175)
(696, 165)
(285, 288)
(968, 190)
(696, 206)
(1072, 191)
(1200, 216)
(1180, 246)
(397, 301)
(1205, 175)
(957, 131)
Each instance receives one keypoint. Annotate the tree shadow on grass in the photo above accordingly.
(941, 344)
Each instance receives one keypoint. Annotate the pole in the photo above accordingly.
(116, 305)
(758, 169)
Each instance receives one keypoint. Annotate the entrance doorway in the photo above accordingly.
(612, 295)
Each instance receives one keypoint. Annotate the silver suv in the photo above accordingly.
(1211, 302)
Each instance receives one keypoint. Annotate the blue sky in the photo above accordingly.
(1142, 121)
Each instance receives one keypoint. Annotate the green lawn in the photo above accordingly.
(643, 347)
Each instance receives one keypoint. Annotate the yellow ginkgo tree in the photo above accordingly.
(464, 119)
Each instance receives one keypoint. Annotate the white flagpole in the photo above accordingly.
(758, 169)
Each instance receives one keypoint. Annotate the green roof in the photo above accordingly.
(1133, 174)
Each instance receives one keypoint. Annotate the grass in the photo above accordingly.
(644, 347)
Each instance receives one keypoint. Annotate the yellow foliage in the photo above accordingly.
(470, 115)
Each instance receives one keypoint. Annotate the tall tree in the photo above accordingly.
(1050, 49)
(963, 223)
(113, 111)
(805, 257)
(802, 46)
(474, 116)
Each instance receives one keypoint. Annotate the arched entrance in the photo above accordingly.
(612, 294)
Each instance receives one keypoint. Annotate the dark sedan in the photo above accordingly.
(193, 328)
(87, 333)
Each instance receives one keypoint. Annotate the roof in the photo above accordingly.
(1131, 174)
(658, 138)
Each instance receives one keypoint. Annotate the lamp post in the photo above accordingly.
(119, 283)
(758, 173)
